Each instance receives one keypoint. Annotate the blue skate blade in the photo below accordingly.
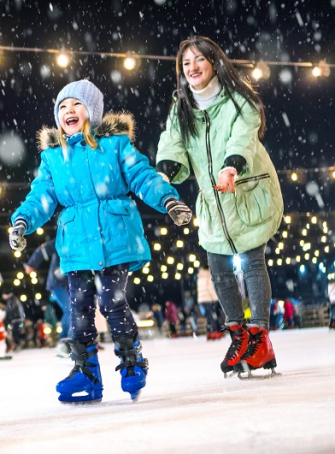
(135, 396)
(93, 396)
(133, 386)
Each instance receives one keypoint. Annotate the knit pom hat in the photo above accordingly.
(88, 94)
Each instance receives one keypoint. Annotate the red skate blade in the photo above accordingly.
(250, 376)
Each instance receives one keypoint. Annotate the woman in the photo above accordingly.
(214, 126)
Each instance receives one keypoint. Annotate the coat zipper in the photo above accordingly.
(255, 178)
(216, 194)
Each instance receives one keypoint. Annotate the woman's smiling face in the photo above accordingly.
(198, 71)
(72, 115)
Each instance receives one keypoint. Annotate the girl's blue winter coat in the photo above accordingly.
(100, 225)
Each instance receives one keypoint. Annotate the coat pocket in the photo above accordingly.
(119, 215)
(203, 214)
(255, 201)
(66, 239)
(120, 207)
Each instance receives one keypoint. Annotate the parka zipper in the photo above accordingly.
(216, 194)
(255, 178)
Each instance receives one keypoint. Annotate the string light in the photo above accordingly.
(63, 60)
(323, 67)
(316, 71)
(129, 63)
(261, 71)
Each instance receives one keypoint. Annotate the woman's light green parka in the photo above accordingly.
(229, 223)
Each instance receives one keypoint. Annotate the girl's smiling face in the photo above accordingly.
(72, 115)
(198, 71)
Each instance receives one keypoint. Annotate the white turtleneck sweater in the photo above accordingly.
(206, 97)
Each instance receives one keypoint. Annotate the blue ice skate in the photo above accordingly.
(84, 384)
(133, 366)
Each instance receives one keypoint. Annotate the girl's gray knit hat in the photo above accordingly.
(88, 94)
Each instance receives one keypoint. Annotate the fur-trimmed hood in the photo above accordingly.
(112, 124)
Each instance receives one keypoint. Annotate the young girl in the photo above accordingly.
(215, 125)
(88, 166)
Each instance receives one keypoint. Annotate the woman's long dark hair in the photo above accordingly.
(228, 77)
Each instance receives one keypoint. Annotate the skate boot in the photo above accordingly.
(209, 336)
(84, 384)
(133, 366)
(259, 354)
(240, 338)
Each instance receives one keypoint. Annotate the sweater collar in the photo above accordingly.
(207, 96)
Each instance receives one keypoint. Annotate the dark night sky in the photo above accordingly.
(300, 121)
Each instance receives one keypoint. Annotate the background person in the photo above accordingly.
(57, 282)
(208, 300)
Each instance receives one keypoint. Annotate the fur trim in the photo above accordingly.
(112, 124)
(115, 124)
(47, 138)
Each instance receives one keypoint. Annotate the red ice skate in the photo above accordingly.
(240, 339)
(259, 354)
(215, 335)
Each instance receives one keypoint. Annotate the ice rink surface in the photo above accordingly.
(186, 407)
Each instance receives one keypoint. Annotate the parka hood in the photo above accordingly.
(112, 124)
